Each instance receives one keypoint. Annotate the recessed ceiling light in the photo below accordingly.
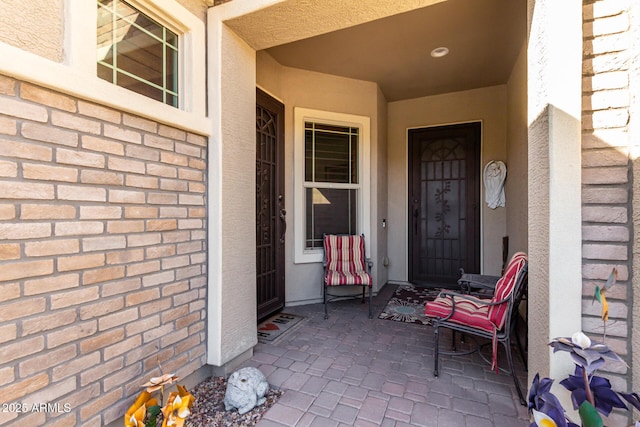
(439, 52)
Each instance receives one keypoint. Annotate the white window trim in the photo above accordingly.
(301, 115)
(77, 74)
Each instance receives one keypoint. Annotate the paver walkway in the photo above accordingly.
(349, 370)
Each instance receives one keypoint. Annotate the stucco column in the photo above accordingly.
(554, 111)
(232, 322)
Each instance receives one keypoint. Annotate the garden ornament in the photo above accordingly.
(245, 390)
(495, 173)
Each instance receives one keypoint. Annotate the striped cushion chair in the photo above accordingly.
(345, 265)
(489, 318)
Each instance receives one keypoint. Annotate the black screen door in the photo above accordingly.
(444, 211)
(270, 213)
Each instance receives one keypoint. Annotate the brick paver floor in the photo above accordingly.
(352, 371)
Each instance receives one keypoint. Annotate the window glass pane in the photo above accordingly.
(172, 100)
(141, 56)
(331, 128)
(308, 155)
(171, 70)
(172, 39)
(331, 154)
(105, 72)
(354, 159)
(147, 24)
(126, 12)
(329, 210)
(138, 87)
(332, 157)
(105, 35)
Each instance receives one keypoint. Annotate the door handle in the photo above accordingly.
(282, 215)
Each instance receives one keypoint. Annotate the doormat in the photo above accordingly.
(407, 304)
(276, 326)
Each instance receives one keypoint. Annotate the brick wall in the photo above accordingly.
(606, 168)
(102, 254)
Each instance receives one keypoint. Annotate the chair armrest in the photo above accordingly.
(456, 295)
(482, 301)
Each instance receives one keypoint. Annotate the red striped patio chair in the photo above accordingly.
(488, 318)
(345, 264)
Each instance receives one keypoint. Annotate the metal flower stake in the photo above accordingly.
(591, 395)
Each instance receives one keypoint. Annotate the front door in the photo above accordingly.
(444, 210)
(270, 212)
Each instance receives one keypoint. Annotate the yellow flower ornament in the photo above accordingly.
(178, 408)
(134, 417)
(137, 418)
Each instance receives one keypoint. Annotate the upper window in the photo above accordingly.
(331, 171)
(136, 52)
(331, 181)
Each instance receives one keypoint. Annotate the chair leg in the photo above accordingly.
(507, 347)
(370, 301)
(518, 343)
(326, 314)
(521, 350)
(436, 348)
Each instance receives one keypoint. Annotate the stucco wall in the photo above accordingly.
(486, 104)
(380, 191)
(299, 88)
(232, 243)
(554, 59)
(238, 269)
(197, 7)
(516, 184)
(35, 26)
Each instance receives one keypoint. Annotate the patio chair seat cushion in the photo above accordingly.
(467, 313)
(337, 278)
(345, 263)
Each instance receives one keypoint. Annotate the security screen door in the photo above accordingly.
(270, 212)
(444, 209)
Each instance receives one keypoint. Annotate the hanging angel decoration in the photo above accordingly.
(494, 175)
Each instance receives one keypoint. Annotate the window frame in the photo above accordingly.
(179, 64)
(363, 204)
(76, 74)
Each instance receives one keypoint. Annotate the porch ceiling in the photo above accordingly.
(483, 36)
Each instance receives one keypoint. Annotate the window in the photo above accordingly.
(330, 180)
(331, 185)
(136, 52)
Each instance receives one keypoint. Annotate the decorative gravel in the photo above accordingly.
(208, 408)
